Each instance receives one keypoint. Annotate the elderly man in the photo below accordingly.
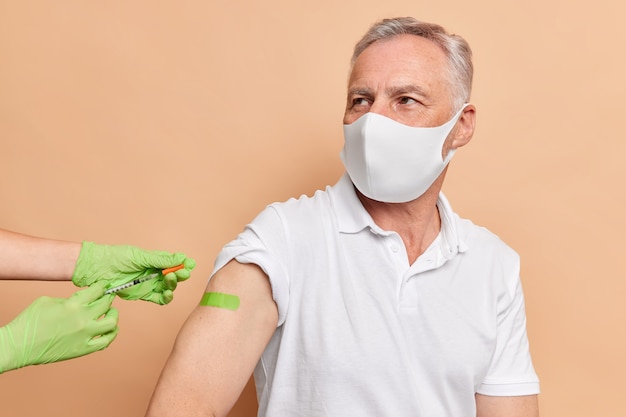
(371, 298)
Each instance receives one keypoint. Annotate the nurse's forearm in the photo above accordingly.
(34, 258)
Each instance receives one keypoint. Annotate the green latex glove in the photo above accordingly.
(119, 264)
(56, 329)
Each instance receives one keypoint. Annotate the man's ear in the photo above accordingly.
(464, 129)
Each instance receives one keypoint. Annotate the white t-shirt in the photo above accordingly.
(363, 333)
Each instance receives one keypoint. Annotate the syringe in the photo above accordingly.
(142, 279)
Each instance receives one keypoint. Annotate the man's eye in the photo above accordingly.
(407, 100)
(360, 101)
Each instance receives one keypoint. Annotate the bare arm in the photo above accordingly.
(522, 406)
(217, 349)
(28, 257)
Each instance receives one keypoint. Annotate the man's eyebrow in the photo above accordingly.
(360, 91)
(404, 89)
(390, 91)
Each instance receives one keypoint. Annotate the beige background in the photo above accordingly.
(169, 125)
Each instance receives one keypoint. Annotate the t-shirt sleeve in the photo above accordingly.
(263, 243)
(511, 372)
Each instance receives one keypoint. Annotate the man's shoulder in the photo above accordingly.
(296, 206)
(479, 236)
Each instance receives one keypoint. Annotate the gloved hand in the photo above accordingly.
(56, 329)
(119, 264)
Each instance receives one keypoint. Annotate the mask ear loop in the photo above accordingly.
(453, 121)
(448, 157)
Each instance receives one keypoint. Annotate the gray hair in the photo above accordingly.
(458, 52)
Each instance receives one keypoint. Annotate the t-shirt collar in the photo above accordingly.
(352, 216)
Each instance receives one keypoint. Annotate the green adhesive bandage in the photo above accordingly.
(218, 299)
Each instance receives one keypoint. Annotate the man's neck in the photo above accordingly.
(417, 222)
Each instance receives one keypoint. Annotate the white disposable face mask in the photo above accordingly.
(391, 162)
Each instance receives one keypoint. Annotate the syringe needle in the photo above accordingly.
(142, 279)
